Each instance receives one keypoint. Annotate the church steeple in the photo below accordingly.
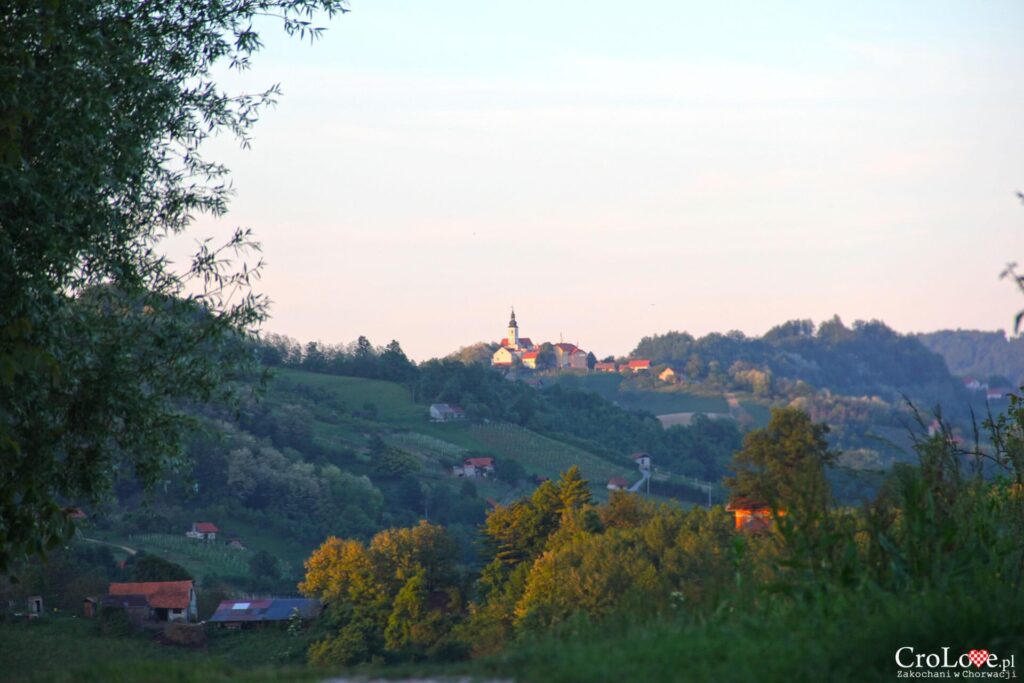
(513, 331)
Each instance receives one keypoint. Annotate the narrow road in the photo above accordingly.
(112, 545)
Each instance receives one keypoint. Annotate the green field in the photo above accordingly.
(63, 649)
(666, 402)
(393, 402)
(662, 401)
(200, 558)
(547, 457)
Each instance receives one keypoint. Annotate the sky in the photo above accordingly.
(616, 170)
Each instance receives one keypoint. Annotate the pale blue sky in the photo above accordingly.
(622, 169)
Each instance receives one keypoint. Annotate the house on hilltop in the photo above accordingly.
(639, 365)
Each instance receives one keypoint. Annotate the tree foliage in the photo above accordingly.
(104, 107)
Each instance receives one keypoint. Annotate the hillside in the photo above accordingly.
(990, 357)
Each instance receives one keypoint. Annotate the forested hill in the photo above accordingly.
(867, 358)
(988, 356)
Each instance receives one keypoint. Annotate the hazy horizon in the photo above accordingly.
(616, 172)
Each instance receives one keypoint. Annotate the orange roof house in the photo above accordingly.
(752, 515)
(639, 364)
(168, 600)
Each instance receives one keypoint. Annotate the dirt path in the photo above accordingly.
(112, 545)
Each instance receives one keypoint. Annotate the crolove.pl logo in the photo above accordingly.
(976, 663)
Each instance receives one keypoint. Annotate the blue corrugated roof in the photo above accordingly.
(265, 609)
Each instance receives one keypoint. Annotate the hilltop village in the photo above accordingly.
(516, 351)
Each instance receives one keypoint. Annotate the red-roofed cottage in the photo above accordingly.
(166, 600)
(203, 531)
(618, 484)
(474, 467)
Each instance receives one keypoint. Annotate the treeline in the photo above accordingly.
(990, 357)
(865, 359)
(935, 532)
(358, 359)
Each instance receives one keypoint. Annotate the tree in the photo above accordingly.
(784, 464)
(105, 105)
(263, 565)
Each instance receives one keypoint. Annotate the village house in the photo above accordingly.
(618, 484)
(643, 461)
(474, 467)
(154, 600)
(203, 531)
(260, 612)
(667, 375)
(639, 365)
(605, 367)
(446, 412)
(752, 516)
(530, 359)
(974, 384)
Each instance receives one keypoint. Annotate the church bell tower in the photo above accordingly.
(513, 332)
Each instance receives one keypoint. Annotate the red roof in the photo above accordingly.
(479, 462)
(565, 346)
(159, 594)
(746, 504)
(642, 363)
(604, 366)
(530, 355)
(618, 481)
(205, 527)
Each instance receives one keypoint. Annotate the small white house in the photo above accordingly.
(642, 460)
(203, 531)
(618, 484)
(474, 467)
(445, 412)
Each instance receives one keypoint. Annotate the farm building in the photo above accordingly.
(642, 460)
(474, 467)
(446, 412)
(154, 600)
(618, 484)
(237, 614)
(204, 531)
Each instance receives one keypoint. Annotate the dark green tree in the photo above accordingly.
(784, 464)
(104, 108)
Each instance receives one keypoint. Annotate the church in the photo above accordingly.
(512, 346)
